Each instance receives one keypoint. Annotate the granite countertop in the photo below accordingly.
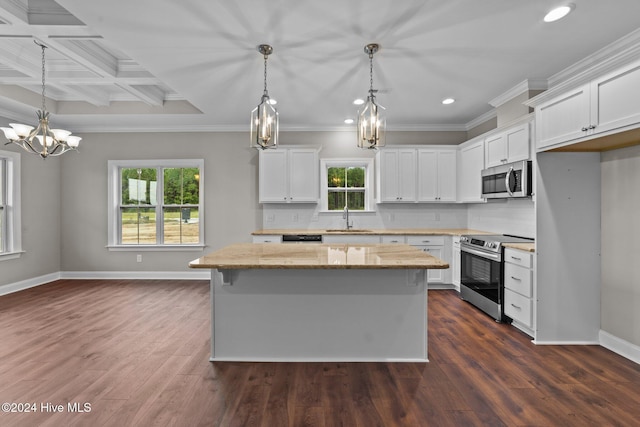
(527, 247)
(385, 231)
(318, 256)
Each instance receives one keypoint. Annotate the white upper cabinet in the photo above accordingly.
(396, 173)
(471, 163)
(436, 175)
(605, 104)
(509, 146)
(288, 175)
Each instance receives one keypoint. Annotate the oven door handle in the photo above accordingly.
(482, 254)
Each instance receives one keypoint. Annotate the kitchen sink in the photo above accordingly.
(351, 230)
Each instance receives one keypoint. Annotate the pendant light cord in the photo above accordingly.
(371, 73)
(43, 74)
(266, 93)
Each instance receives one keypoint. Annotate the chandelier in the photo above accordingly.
(264, 118)
(371, 122)
(41, 140)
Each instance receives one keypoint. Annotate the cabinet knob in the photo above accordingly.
(584, 129)
(592, 127)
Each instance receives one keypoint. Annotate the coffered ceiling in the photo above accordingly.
(144, 65)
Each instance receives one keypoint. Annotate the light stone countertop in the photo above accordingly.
(318, 256)
(385, 231)
(527, 247)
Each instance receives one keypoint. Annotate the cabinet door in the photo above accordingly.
(496, 149)
(427, 175)
(387, 176)
(303, 175)
(272, 171)
(407, 175)
(447, 176)
(564, 118)
(455, 267)
(471, 165)
(614, 99)
(435, 276)
(517, 143)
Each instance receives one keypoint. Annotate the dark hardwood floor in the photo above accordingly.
(137, 352)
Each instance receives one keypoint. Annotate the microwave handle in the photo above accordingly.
(507, 178)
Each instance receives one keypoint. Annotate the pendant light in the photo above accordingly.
(371, 122)
(41, 140)
(264, 118)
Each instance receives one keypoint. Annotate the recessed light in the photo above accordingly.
(348, 121)
(448, 101)
(358, 101)
(559, 12)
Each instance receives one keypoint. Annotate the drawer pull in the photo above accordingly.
(516, 278)
(426, 241)
(515, 306)
(516, 258)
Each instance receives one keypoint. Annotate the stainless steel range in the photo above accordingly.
(482, 271)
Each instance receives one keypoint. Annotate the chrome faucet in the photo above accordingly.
(345, 216)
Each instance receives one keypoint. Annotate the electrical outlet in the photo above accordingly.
(295, 217)
(271, 218)
(139, 258)
(437, 216)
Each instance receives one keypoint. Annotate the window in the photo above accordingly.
(347, 182)
(10, 228)
(156, 203)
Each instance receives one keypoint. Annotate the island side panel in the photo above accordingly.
(319, 315)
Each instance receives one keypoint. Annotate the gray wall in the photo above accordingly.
(231, 203)
(620, 298)
(41, 192)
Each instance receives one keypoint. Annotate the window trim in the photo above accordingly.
(12, 223)
(113, 204)
(347, 162)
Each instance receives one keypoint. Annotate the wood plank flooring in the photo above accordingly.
(137, 352)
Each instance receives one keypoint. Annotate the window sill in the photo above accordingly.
(155, 248)
(5, 256)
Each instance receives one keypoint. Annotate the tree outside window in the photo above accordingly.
(346, 187)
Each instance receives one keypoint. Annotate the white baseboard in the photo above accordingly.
(538, 342)
(88, 275)
(134, 275)
(620, 346)
(29, 283)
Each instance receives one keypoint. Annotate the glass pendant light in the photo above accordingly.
(41, 140)
(371, 121)
(264, 118)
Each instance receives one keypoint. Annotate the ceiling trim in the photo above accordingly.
(520, 88)
(481, 119)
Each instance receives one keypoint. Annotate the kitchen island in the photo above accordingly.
(318, 302)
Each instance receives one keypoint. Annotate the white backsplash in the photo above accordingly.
(501, 216)
(510, 216)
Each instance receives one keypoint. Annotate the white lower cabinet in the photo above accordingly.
(351, 238)
(519, 290)
(455, 263)
(436, 246)
(267, 238)
(392, 239)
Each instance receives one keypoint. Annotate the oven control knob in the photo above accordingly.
(493, 245)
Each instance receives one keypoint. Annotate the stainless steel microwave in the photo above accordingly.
(507, 181)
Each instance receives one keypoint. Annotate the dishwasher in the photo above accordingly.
(302, 238)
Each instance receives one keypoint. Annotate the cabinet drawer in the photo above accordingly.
(517, 279)
(267, 238)
(425, 240)
(517, 257)
(517, 307)
(392, 239)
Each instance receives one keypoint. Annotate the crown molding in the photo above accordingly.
(617, 54)
(481, 119)
(520, 88)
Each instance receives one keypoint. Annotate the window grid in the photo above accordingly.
(157, 203)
